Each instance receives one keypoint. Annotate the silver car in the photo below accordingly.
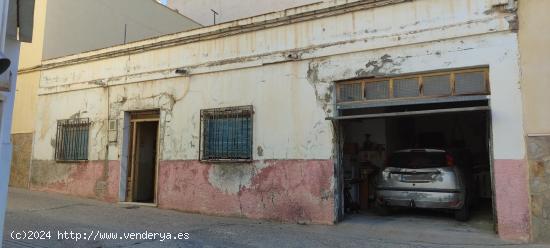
(423, 178)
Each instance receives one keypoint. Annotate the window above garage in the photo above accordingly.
(415, 86)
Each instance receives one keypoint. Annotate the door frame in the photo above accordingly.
(131, 120)
(338, 144)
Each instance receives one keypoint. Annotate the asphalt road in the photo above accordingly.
(51, 218)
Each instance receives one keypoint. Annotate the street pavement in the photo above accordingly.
(53, 220)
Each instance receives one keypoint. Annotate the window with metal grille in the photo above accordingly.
(350, 92)
(462, 82)
(377, 90)
(226, 134)
(470, 83)
(406, 87)
(437, 85)
(71, 143)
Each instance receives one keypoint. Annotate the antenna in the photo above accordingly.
(125, 32)
(215, 14)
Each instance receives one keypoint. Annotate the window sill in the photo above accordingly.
(227, 161)
(71, 161)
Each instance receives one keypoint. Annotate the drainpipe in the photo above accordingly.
(105, 175)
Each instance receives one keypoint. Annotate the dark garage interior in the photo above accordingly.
(371, 135)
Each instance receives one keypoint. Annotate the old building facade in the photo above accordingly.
(70, 27)
(276, 80)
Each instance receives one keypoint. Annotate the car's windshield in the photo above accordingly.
(418, 160)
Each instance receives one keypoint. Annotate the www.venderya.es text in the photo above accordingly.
(97, 235)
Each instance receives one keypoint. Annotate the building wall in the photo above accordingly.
(230, 10)
(64, 27)
(534, 37)
(27, 83)
(26, 94)
(71, 29)
(286, 72)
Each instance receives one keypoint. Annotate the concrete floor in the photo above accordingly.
(51, 212)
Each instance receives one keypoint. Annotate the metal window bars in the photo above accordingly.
(71, 143)
(226, 134)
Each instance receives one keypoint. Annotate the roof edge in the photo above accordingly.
(250, 24)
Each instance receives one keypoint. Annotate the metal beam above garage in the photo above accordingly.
(411, 113)
(403, 102)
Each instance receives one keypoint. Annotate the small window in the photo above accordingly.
(469, 83)
(438, 85)
(72, 140)
(350, 92)
(226, 134)
(406, 87)
(377, 90)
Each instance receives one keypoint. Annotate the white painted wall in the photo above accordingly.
(291, 99)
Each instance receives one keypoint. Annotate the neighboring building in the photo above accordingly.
(273, 117)
(230, 10)
(534, 37)
(65, 27)
(16, 26)
(75, 26)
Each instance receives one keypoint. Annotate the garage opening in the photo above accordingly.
(413, 155)
(142, 172)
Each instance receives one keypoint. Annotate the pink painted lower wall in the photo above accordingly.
(297, 191)
(512, 199)
(283, 190)
(91, 179)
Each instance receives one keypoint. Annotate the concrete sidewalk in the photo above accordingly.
(36, 211)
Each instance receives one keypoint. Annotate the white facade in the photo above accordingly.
(336, 48)
(287, 72)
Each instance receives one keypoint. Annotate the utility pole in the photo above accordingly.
(215, 14)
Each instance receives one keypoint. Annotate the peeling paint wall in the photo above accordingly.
(286, 72)
(91, 179)
(297, 191)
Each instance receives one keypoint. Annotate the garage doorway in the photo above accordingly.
(382, 121)
(143, 159)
